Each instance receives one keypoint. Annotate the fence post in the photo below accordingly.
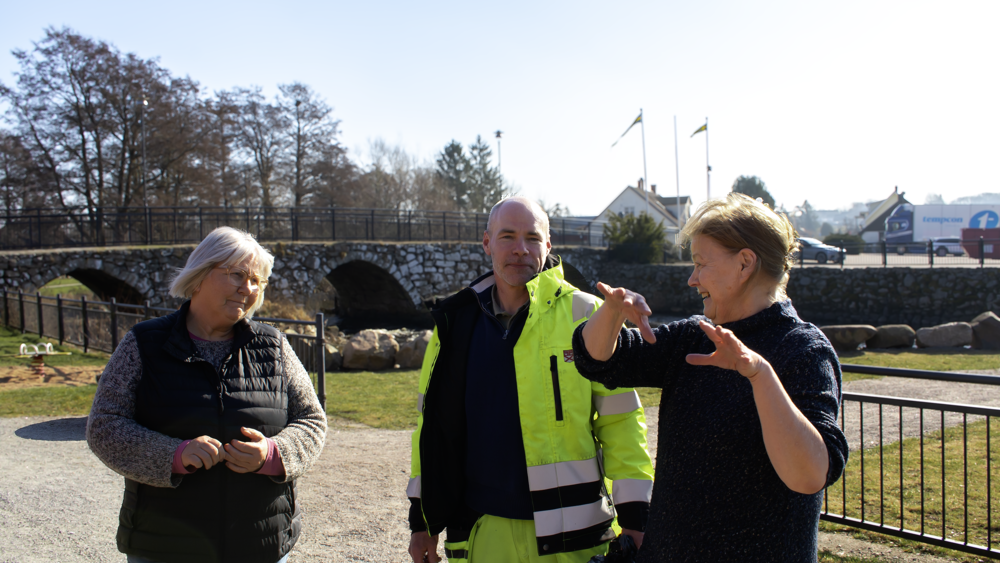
(201, 225)
(333, 223)
(444, 225)
(114, 324)
(293, 224)
(38, 303)
(321, 356)
(982, 252)
(83, 320)
(885, 255)
(6, 311)
(149, 226)
(20, 306)
(59, 319)
(373, 224)
(930, 253)
(145, 313)
(39, 215)
(802, 257)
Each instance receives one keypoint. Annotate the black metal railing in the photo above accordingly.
(981, 252)
(930, 478)
(59, 228)
(99, 325)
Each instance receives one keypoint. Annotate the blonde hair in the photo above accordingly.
(739, 222)
(225, 246)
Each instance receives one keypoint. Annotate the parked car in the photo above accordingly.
(822, 253)
(944, 246)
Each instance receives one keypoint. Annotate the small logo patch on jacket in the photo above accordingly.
(567, 355)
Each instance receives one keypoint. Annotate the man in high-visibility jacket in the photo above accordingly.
(515, 453)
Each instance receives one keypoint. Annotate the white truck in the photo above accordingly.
(909, 227)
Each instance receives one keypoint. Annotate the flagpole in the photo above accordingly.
(645, 179)
(708, 167)
(677, 170)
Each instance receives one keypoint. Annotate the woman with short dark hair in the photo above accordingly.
(210, 417)
(748, 433)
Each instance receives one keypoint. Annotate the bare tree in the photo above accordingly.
(262, 137)
(311, 131)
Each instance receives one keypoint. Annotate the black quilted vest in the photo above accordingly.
(215, 515)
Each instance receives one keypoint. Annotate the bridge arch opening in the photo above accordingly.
(368, 296)
(105, 286)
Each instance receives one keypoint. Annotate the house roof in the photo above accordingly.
(875, 221)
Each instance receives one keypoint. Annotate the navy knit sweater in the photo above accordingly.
(716, 495)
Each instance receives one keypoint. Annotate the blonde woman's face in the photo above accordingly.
(219, 297)
(716, 277)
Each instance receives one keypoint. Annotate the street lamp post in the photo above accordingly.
(142, 122)
(499, 169)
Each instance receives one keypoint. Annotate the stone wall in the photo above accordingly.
(373, 278)
(915, 296)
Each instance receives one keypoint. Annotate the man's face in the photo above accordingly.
(517, 241)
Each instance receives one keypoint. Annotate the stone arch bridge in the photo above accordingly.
(371, 279)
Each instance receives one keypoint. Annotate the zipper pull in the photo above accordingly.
(505, 333)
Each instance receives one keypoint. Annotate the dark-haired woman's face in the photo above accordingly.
(716, 277)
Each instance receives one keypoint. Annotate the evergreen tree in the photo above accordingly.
(453, 170)
(636, 239)
(485, 184)
(753, 187)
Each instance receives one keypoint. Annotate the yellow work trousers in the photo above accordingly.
(501, 540)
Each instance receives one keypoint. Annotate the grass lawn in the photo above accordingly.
(11, 340)
(882, 484)
(932, 359)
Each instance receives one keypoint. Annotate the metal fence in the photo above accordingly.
(920, 470)
(58, 228)
(979, 252)
(98, 325)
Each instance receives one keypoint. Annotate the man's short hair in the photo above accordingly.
(533, 205)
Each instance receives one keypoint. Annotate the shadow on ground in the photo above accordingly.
(59, 430)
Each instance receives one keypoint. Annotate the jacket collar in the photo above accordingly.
(180, 345)
(543, 289)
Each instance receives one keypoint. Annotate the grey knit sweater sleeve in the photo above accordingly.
(301, 442)
(124, 445)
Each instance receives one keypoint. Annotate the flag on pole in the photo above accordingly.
(700, 129)
(637, 120)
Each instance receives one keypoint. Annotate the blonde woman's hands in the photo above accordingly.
(729, 353)
(627, 304)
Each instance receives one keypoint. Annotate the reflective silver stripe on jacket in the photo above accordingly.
(583, 305)
(563, 474)
(631, 490)
(616, 404)
(420, 402)
(568, 519)
(413, 488)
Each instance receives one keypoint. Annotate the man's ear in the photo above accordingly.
(486, 242)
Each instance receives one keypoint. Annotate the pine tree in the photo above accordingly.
(636, 239)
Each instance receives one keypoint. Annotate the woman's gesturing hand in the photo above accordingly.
(247, 457)
(202, 453)
(729, 353)
(629, 305)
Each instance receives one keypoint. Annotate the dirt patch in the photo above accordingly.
(20, 377)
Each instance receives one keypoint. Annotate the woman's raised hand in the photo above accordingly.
(729, 353)
(629, 305)
(247, 457)
(202, 453)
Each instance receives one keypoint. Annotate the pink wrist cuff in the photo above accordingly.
(178, 465)
(272, 465)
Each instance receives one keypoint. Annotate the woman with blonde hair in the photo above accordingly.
(748, 433)
(210, 417)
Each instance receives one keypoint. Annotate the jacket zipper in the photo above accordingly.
(554, 366)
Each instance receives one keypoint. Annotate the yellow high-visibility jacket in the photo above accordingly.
(582, 441)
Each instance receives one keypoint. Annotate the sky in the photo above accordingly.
(833, 102)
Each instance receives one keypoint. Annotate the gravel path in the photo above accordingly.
(60, 503)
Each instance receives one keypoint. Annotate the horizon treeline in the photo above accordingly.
(85, 123)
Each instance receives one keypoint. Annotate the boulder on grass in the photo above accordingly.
(892, 336)
(948, 335)
(333, 358)
(371, 350)
(411, 352)
(847, 338)
(986, 331)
